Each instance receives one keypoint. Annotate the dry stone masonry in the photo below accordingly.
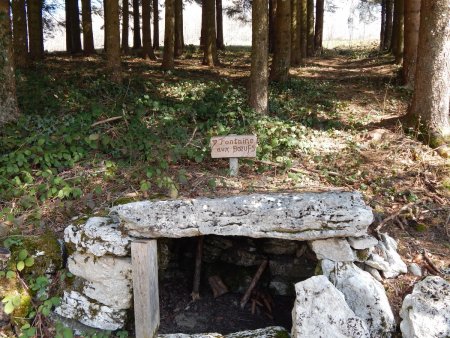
(346, 299)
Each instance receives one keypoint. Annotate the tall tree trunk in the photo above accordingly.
(179, 46)
(88, 34)
(68, 26)
(8, 101)
(219, 22)
(258, 99)
(210, 57)
(203, 26)
(155, 24)
(169, 36)
(388, 26)
(412, 23)
(318, 33)
(112, 41)
(75, 23)
(125, 25)
(147, 48)
(136, 25)
(397, 42)
(35, 29)
(310, 25)
(272, 18)
(430, 105)
(282, 54)
(303, 29)
(20, 37)
(383, 24)
(295, 31)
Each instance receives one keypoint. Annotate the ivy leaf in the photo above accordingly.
(23, 254)
(20, 265)
(10, 274)
(67, 333)
(29, 261)
(8, 308)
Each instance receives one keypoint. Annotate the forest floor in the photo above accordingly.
(335, 125)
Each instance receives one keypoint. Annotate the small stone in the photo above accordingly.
(374, 272)
(414, 269)
(377, 262)
(396, 265)
(363, 242)
(426, 311)
(334, 249)
(281, 288)
(362, 255)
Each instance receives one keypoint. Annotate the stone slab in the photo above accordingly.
(335, 249)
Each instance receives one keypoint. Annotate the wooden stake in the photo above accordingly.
(198, 269)
(255, 280)
(234, 166)
(217, 286)
(144, 259)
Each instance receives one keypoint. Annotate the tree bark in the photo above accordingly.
(282, 54)
(388, 26)
(303, 29)
(20, 30)
(112, 39)
(136, 26)
(75, 28)
(210, 57)
(179, 45)
(35, 29)
(295, 31)
(155, 24)
(169, 36)
(88, 34)
(431, 100)
(272, 19)
(310, 28)
(318, 33)
(397, 44)
(219, 22)
(125, 25)
(383, 24)
(8, 101)
(147, 48)
(411, 40)
(258, 99)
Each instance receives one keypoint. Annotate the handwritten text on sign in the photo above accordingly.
(233, 146)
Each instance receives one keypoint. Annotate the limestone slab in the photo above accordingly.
(335, 249)
(363, 242)
(303, 216)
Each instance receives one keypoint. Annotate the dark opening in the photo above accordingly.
(234, 260)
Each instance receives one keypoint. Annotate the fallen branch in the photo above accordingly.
(255, 280)
(198, 268)
(106, 121)
(297, 170)
(394, 215)
(217, 285)
(430, 263)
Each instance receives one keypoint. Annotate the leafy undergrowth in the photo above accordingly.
(83, 144)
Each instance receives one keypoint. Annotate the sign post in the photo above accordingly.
(233, 147)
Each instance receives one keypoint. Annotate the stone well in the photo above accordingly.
(346, 299)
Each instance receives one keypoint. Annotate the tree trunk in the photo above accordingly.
(397, 42)
(272, 18)
(136, 26)
(88, 34)
(411, 40)
(282, 54)
(318, 33)
(8, 101)
(68, 27)
(147, 48)
(112, 41)
(179, 46)
(155, 24)
(169, 36)
(295, 40)
(75, 26)
(383, 24)
(219, 22)
(303, 29)
(210, 57)
(310, 28)
(388, 25)
(125, 25)
(258, 99)
(35, 29)
(20, 37)
(203, 26)
(430, 103)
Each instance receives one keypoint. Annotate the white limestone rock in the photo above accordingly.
(269, 332)
(377, 262)
(426, 311)
(363, 242)
(374, 272)
(99, 236)
(107, 279)
(334, 249)
(365, 296)
(88, 312)
(304, 216)
(415, 269)
(320, 311)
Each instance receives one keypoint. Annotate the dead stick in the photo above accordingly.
(296, 170)
(106, 121)
(198, 268)
(430, 262)
(255, 280)
(394, 215)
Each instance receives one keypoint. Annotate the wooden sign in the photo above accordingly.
(233, 146)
